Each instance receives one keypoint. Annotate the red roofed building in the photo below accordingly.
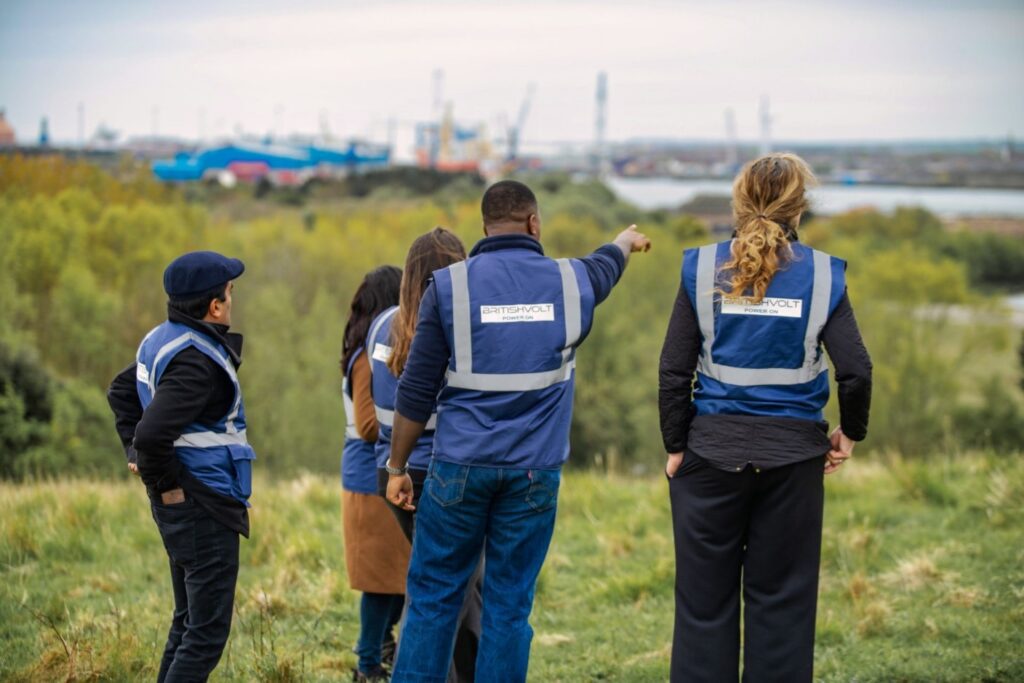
(6, 132)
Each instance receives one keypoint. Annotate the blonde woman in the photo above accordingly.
(742, 385)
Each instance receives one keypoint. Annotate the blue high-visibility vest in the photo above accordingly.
(383, 385)
(763, 359)
(513, 320)
(218, 455)
(358, 465)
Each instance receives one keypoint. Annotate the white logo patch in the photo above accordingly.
(771, 307)
(381, 352)
(141, 373)
(517, 313)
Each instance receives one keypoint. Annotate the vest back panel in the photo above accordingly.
(763, 359)
(513, 320)
(218, 454)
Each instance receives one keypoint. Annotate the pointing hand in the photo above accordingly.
(631, 239)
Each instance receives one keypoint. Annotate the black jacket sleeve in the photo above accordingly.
(845, 347)
(181, 397)
(676, 374)
(123, 398)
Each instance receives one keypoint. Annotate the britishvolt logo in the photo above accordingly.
(381, 352)
(771, 307)
(517, 313)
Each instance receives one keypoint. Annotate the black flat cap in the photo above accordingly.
(198, 272)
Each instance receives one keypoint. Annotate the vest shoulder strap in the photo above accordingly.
(463, 376)
(814, 362)
(189, 337)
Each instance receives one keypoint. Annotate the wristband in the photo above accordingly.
(396, 471)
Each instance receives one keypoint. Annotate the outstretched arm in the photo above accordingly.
(606, 265)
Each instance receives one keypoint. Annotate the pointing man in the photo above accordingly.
(180, 416)
(497, 336)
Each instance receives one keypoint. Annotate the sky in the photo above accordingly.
(833, 70)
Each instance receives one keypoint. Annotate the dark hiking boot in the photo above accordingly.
(376, 674)
(387, 651)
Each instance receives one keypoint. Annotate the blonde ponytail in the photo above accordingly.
(767, 201)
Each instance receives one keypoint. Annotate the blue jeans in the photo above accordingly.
(378, 614)
(509, 514)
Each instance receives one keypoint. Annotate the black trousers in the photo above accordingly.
(203, 555)
(759, 531)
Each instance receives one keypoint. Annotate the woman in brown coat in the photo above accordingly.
(371, 531)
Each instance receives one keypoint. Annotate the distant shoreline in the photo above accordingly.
(1013, 187)
(946, 202)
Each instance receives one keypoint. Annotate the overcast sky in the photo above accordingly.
(863, 69)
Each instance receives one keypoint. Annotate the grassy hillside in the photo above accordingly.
(922, 580)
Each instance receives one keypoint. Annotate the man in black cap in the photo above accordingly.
(178, 410)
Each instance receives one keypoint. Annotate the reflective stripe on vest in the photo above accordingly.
(350, 410)
(211, 439)
(465, 378)
(387, 418)
(814, 363)
(376, 328)
(346, 396)
(175, 345)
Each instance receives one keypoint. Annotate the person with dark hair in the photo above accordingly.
(742, 384)
(505, 199)
(179, 413)
(375, 556)
(390, 338)
(494, 353)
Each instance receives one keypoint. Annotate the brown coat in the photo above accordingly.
(376, 550)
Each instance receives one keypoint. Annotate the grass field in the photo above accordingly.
(922, 580)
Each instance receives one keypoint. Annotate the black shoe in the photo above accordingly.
(377, 673)
(387, 651)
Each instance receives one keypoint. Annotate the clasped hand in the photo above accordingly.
(842, 449)
(400, 492)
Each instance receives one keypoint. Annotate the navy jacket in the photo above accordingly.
(498, 413)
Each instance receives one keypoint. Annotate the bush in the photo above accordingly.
(26, 407)
(993, 261)
(48, 427)
(996, 424)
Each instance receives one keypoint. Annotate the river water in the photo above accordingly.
(659, 193)
(665, 193)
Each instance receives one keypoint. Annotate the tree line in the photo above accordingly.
(82, 253)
